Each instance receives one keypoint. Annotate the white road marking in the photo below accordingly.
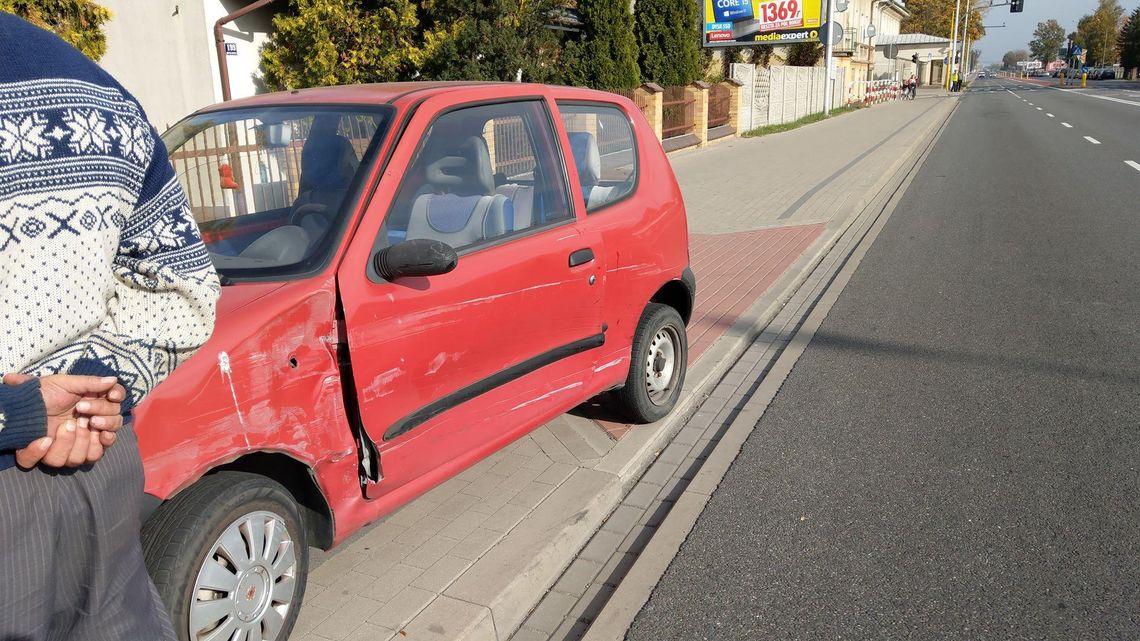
(1031, 104)
(1040, 109)
(1051, 115)
(1108, 98)
(1067, 125)
(1133, 164)
(1092, 140)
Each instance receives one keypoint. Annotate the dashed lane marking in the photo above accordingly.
(1092, 140)
(1051, 115)
(1067, 125)
(1133, 164)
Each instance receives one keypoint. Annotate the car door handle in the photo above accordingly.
(581, 257)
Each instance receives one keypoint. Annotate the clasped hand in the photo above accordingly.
(83, 416)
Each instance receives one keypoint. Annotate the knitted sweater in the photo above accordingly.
(102, 270)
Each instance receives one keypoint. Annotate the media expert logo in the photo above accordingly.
(804, 35)
(732, 10)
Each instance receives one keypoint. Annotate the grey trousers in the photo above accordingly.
(71, 565)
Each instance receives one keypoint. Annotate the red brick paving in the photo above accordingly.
(733, 271)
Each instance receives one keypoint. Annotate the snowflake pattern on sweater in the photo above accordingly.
(104, 271)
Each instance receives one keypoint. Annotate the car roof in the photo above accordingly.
(380, 93)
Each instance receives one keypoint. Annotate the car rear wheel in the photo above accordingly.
(658, 362)
(229, 558)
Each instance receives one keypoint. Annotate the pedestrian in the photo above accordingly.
(955, 83)
(105, 289)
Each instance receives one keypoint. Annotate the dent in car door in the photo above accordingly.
(446, 364)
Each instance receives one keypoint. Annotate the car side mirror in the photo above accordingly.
(418, 257)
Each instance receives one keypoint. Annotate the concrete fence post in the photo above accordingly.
(735, 104)
(654, 101)
(698, 92)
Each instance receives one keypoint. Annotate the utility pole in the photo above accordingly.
(954, 42)
(966, 36)
(829, 64)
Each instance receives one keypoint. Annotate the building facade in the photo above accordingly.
(865, 23)
(895, 57)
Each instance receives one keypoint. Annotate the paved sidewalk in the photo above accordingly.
(473, 558)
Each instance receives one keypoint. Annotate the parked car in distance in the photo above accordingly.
(414, 276)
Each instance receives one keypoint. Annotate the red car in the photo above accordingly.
(415, 275)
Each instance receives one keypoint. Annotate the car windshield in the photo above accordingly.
(270, 187)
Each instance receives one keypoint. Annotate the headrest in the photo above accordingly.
(466, 171)
(584, 146)
(327, 162)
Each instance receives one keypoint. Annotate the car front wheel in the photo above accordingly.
(658, 362)
(229, 558)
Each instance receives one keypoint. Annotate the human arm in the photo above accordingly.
(165, 290)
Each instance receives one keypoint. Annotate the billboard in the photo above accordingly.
(748, 22)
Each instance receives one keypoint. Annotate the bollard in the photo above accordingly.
(1084, 80)
(1061, 80)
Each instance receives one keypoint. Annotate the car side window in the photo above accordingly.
(604, 150)
(482, 173)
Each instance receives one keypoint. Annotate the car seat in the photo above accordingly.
(462, 208)
(328, 164)
(584, 148)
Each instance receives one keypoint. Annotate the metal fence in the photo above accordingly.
(231, 169)
(514, 155)
(678, 115)
(720, 100)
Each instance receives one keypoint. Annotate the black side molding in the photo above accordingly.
(431, 410)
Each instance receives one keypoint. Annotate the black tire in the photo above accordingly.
(635, 398)
(183, 531)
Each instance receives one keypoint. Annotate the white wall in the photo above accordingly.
(163, 52)
(249, 33)
(155, 49)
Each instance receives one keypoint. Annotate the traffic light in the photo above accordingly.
(1016, 6)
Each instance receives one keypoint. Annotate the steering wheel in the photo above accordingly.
(308, 209)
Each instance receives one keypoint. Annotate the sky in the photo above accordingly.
(1019, 27)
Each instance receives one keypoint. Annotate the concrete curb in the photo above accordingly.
(633, 592)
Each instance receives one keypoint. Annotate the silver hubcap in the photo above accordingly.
(661, 365)
(247, 583)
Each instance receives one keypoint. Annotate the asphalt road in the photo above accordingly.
(957, 453)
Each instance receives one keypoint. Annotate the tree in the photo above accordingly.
(331, 42)
(1097, 31)
(1011, 58)
(760, 54)
(607, 58)
(489, 40)
(1047, 41)
(668, 41)
(804, 54)
(1128, 43)
(936, 18)
(78, 22)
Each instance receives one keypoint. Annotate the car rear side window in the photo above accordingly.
(604, 150)
(482, 173)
